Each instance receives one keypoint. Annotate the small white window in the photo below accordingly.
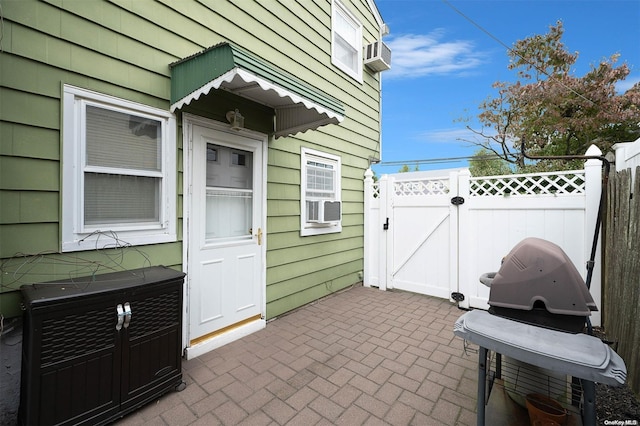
(118, 172)
(321, 206)
(346, 41)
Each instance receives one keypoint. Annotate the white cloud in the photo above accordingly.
(418, 55)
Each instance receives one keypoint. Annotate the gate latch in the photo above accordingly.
(458, 297)
(456, 201)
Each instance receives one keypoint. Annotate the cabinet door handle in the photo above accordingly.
(119, 316)
(127, 314)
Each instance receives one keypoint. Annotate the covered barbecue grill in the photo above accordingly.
(539, 304)
(538, 284)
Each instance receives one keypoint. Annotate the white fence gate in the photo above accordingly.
(436, 235)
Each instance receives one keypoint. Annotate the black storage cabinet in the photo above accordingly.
(98, 347)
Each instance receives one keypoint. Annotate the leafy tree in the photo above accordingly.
(486, 163)
(405, 168)
(554, 112)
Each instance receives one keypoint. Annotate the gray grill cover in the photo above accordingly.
(578, 355)
(538, 270)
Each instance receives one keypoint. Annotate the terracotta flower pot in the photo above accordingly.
(544, 410)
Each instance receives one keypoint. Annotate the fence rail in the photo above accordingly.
(621, 295)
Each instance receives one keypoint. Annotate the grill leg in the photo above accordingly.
(482, 377)
(588, 403)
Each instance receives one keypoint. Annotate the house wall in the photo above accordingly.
(124, 48)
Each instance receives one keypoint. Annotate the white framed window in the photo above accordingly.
(320, 197)
(346, 41)
(118, 172)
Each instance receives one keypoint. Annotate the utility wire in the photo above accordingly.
(440, 160)
(542, 71)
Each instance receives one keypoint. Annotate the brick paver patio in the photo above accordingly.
(359, 357)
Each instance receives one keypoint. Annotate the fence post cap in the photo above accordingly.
(368, 174)
(593, 150)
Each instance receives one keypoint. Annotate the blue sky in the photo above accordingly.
(443, 65)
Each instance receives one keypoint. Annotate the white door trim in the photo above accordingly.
(188, 121)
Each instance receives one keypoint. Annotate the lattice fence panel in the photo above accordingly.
(421, 187)
(555, 183)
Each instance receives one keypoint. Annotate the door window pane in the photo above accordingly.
(228, 213)
(229, 203)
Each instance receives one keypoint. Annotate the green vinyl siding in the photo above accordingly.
(280, 242)
(29, 173)
(28, 141)
(28, 207)
(27, 238)
(303, 269)
(342, 267)
(43, 48)
(123, 48)
(29, 108)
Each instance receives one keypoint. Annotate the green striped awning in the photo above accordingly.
(297, 105)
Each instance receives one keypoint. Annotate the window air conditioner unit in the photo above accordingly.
(377, 56)
(325, 211)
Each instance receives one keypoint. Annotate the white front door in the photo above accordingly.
(225, 236)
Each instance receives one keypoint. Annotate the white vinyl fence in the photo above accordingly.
(436, 234)
(628, 156)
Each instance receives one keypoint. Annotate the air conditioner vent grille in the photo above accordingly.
(332, 211)
(324, 211)
(377, 56)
